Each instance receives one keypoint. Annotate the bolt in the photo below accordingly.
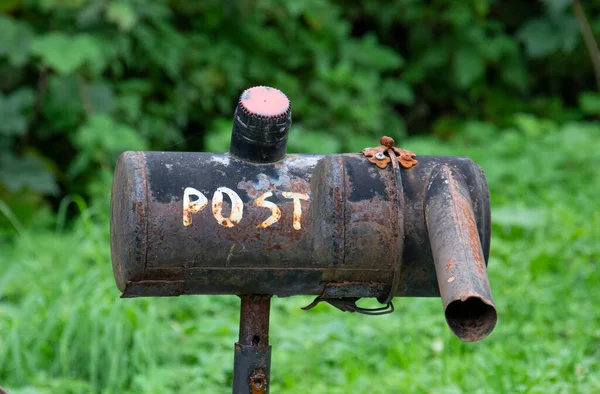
(388, 142)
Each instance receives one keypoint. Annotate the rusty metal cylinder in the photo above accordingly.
(334, 225)
(458, 256)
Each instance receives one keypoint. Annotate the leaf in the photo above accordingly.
(589, 102)
(569, 33)
(13, 111)
(122, 15)
(104, 139)
(539, 37)
(63, 101)
(17, 173)
(130, 106)
(468, 66)
(515, 74)
(7, 6)
(557, 8)
(90, 14)
(499, 46)
(217, 139)
(57, 4)
(398, 91)
(533, 126)
(101, 97)
(368, 52)
(66, 54)
(478, 132)
(304, 141)
(15, 41)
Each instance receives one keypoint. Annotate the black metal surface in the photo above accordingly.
(347, 245)
(252, 359)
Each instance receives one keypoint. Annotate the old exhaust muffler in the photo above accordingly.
(258, 222)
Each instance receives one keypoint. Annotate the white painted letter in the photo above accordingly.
(237, 207)
(189, 206)
(275, 212)
(297, 206)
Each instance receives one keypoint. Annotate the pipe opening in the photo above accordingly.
(472, 319)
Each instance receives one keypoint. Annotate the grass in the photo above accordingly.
(63, 328)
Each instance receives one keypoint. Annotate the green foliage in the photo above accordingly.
(82, 80)
(557, 31)
(64, 330)
(14, 112)
(505, 82)
(590, 103)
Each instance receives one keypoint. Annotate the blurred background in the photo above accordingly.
(512, 84)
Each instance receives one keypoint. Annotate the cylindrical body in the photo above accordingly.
(202, 223)
(458, 257)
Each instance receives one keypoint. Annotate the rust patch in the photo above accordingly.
(451, 263)
(254, 320)
(378, 156)
(472, 235)
(299, 185)
(217, 208)
(258, 382)
(249, 188)
(139, 209)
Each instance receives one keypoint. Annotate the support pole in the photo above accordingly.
(252, 360)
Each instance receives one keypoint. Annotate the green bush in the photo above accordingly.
(83, 80)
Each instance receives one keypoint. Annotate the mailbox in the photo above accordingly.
(258, 222)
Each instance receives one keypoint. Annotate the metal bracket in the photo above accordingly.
(378, 156)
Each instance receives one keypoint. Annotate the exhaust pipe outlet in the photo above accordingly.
(458, 256)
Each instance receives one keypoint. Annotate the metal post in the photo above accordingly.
(252, 360)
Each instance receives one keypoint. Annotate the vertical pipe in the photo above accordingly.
(252, 360)
(458, 257)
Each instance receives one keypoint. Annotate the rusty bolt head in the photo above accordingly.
(387, 142)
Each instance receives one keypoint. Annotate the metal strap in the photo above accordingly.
(397, 263)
